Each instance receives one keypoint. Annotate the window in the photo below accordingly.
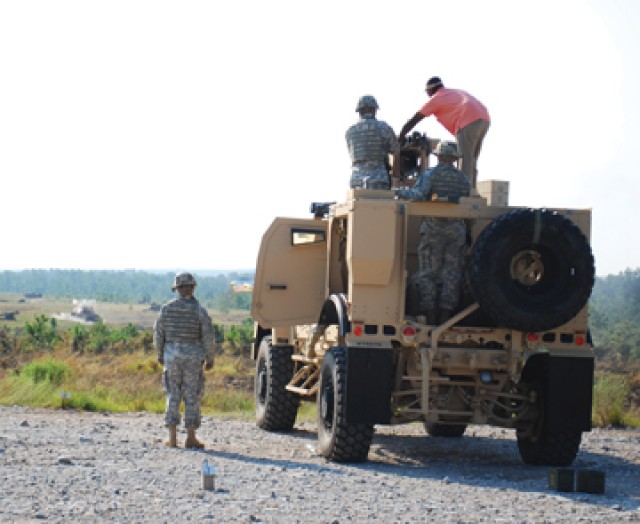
(301, 237)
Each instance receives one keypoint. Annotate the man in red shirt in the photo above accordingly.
(459, 113)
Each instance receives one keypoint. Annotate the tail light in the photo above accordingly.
(408, 334)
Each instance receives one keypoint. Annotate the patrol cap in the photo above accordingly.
(367, 101)
(434, 81)
(447, 148)
(183, 279)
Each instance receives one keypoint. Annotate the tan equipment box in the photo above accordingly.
(496, 192)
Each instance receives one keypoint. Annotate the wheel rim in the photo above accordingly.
(527, 267)
(326, 404)
(261, 378)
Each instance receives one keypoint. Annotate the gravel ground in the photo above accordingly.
(63, 466)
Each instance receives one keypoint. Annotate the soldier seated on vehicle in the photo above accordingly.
(370, 141)
(442, 240)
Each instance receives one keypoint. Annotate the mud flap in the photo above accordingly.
(369, 385)
(570, 394)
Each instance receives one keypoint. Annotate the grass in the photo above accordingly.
(131, 382)
(119, 383)
(610, 402)
(123, 381)
(126, 383)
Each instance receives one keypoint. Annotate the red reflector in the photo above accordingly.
(532, 337)
(579, 340)
(357, 330)
(409, 331)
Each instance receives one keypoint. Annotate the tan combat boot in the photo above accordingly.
(173, 438)
(192, 441)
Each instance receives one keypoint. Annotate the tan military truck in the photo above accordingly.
(516, 353)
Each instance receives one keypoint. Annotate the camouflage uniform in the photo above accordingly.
(184, 339)
(442, 242)
(369, 142)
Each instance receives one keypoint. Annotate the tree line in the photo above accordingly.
(614, 303)
(124, 286)
(615, 316)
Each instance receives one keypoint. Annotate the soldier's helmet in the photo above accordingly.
(183, 279)
(366, 101)
(447, 148)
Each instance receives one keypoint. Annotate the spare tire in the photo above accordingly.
(531, 270)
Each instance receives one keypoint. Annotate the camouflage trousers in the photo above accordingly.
(183, 380)
(441, 259)
(370, 176)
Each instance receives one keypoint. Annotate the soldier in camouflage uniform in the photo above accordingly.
(442, 242)
(369, 142)
(184, 339)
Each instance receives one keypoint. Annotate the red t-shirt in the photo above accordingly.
(455, 109)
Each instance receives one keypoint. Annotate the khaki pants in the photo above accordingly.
(470, 142)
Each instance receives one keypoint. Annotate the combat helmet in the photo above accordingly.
(183, 279)
(367, 101)
(447, 148)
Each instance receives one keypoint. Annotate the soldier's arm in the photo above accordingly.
(420, 190)
(409, 126)
(392, 140)
(158, 338)
(208, 339)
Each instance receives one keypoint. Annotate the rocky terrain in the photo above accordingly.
(67, 466)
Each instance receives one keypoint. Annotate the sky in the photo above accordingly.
(152, 134)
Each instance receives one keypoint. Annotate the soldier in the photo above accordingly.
(442, 240)
(462, 115)
(184, 339)
(370, 141)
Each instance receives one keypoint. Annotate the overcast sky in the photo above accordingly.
(153, 134)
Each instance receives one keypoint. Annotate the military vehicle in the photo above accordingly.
(337, 321)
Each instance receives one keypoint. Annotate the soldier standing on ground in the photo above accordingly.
(370, 141)
(442, 240)
(462, 115)
(184, 339)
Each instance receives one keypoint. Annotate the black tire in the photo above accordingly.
(337, 440)
(540, 445)
(276, 408)
(531, 270)
(445, 430)
(550, 448)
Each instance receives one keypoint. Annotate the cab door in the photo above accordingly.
(289, 286)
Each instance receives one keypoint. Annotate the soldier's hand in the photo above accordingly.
(208, 366)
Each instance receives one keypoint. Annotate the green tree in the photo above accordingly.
(42, 333)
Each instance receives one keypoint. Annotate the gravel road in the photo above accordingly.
(63, 466)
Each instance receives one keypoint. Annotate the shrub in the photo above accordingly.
(42, 333)
(51, 371)
(610, 393)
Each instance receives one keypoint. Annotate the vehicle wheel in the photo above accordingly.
(541, 446)
(445, 430)
(276, 408)
(531, 270)
(550, 449)
(338, 440)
